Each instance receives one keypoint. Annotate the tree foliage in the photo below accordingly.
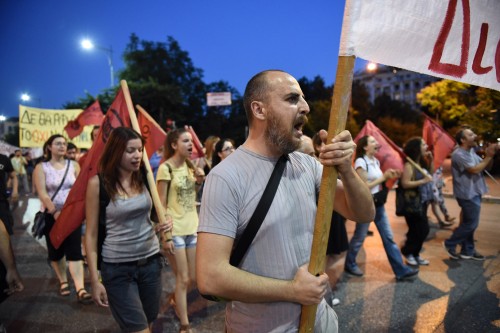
(456, 103)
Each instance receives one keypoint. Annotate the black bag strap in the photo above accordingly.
(260, 213)
(62, 181)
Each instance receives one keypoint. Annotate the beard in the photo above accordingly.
(279, 136)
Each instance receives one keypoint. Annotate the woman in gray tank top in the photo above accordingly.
(130, 265)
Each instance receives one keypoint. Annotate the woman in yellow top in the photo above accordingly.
(177, 182)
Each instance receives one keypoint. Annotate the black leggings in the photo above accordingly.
(418, 229)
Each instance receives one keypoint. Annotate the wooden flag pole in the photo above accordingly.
(338, 117)
(149, 173)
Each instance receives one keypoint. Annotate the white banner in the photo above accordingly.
(453, 39)
(218, 98)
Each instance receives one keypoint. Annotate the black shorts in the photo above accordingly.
(71, 247)
(337, 240)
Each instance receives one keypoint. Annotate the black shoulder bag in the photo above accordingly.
(256, 220)
(40, 225)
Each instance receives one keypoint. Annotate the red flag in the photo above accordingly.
(73, 212)
(152, 133)
(198, 147)
(389, 154)
(90, 116)
(439, 141)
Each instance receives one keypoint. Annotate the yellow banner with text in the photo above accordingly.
(37, 125)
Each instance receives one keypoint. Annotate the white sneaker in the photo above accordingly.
(422, 261)
(410, 260)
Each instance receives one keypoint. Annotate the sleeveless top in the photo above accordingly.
(53, 178)
(129, 231)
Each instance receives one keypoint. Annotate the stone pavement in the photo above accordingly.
(447, 296)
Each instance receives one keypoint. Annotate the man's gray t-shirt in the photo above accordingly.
(283, 242)
(466, 185)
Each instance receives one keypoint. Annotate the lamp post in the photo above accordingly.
(88, 45)
(25, 97)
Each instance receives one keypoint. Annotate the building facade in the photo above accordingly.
(399, 84)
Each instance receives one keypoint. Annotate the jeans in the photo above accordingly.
(464, 233)
(391, 249)
(133, 293)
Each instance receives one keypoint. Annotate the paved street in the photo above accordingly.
(447, 296)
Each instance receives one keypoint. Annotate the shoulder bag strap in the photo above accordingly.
(260, 213)
(62, 181)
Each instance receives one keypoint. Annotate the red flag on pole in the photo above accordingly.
(439, 141)
(390, 155)
(90, 116)
(198, 147)
(152, 133)
(73, 212)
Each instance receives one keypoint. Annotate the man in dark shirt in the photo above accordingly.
(7, 171)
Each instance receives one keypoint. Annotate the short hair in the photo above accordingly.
(460, 134)
(256, 91)
(111, 158)
(71, 145)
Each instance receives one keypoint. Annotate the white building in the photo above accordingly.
(399, 84)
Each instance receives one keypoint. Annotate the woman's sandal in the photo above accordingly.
(83, 296)
(185, 329)
(64, 289)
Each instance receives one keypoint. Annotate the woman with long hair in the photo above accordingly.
(418, 187)
(223, 148)
(48, 176)
(131, 264)
(177, 182)
(206, 162)
(368, 168)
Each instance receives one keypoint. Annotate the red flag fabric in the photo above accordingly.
(390, 155)
(90, 116)
(152, 133)
(73, 212)
(198, 147)
(439, 141)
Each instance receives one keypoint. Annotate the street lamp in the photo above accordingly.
(88, 45)
(25, 97)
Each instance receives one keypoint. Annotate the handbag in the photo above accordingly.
(408, 201)
(40, 225)
(256, 220)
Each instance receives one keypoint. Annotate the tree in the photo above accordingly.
(456, 103)
(163, 80)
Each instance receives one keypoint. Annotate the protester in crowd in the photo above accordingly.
(155, 160)
(272, 281)
(206, 162)
(223, 148)
(71, 151)
(177, 182)
(438, 200)
(19, 163)
(368, 168)
(418, 187)
(468, 187)
(10, 280)
(30, 167)
(131, 263)
(51, 174)
(7, 172)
